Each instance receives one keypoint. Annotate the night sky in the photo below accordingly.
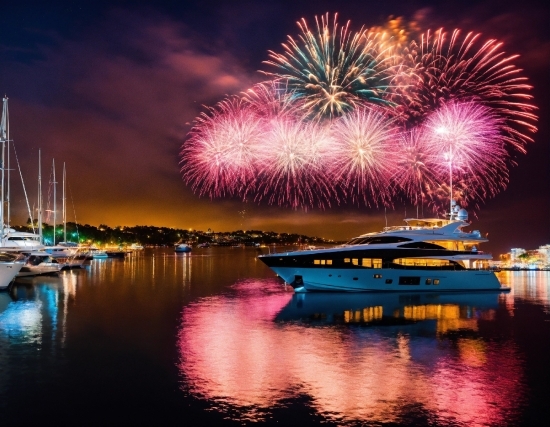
(110, 88)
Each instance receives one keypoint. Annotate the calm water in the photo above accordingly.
(213, 337)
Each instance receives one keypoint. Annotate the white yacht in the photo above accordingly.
(10, 264)
(423, 255)
(39, 263)
(67, 256)
(18, 241)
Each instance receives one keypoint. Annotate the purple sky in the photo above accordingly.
(110, 88)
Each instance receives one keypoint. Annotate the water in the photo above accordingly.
(213, 337)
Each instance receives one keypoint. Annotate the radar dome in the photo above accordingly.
(462, 215)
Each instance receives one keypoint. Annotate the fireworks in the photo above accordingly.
(364, 116)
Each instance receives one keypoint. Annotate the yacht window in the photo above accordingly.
(316, 261)
(428, 281)
(409, 280)
(329, 262)
(377, 276)
(452, 245)
(322, 262)
(389, 281)
(436, 281)
(346, 260)
(372, 262)
(355, 261)
(377, 240)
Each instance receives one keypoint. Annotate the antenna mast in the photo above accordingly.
(54, 197)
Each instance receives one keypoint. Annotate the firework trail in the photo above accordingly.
(333, 70)
(363, 155)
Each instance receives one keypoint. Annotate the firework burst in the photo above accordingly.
(363, 155)
(415, 172)
(468, 146)
(333, 70)
(220, 155)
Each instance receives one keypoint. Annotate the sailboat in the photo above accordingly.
(66, 253)
(10, 264)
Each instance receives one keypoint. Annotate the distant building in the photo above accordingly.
(527, 259)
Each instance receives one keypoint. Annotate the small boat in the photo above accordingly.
(203, 245)
(99, 254)
(183, 247)
(116, 254)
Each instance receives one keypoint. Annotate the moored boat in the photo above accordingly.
(39, 263)
(182, 247)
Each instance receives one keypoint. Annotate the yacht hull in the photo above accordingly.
(387, 279)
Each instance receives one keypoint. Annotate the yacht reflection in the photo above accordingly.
(450, 311)
(428, 351)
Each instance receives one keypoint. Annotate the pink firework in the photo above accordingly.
(292, 172)
(363, 155)
(470, 149)
(220, 155)
(416, 169)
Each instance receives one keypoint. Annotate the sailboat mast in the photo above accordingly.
(8, 179)
(54, 200)
(3, 128)
(40, 197)
(64, 207)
